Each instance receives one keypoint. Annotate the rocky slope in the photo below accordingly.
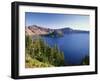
(37, 30)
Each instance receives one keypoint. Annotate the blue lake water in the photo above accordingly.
(75, 46)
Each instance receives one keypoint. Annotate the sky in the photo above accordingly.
(56, 21)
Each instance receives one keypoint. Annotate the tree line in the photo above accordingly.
(38, 49)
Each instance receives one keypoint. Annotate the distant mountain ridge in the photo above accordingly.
(37, 30)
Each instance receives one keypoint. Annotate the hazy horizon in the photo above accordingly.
(57, 21)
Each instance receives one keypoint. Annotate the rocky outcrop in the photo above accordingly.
(36, 30)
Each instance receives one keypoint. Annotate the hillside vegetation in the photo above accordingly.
(39, 54)
(85, 60)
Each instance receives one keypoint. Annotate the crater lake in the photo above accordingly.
(75, 46)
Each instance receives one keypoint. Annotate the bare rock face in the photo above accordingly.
(28, 32)
(36, 30)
